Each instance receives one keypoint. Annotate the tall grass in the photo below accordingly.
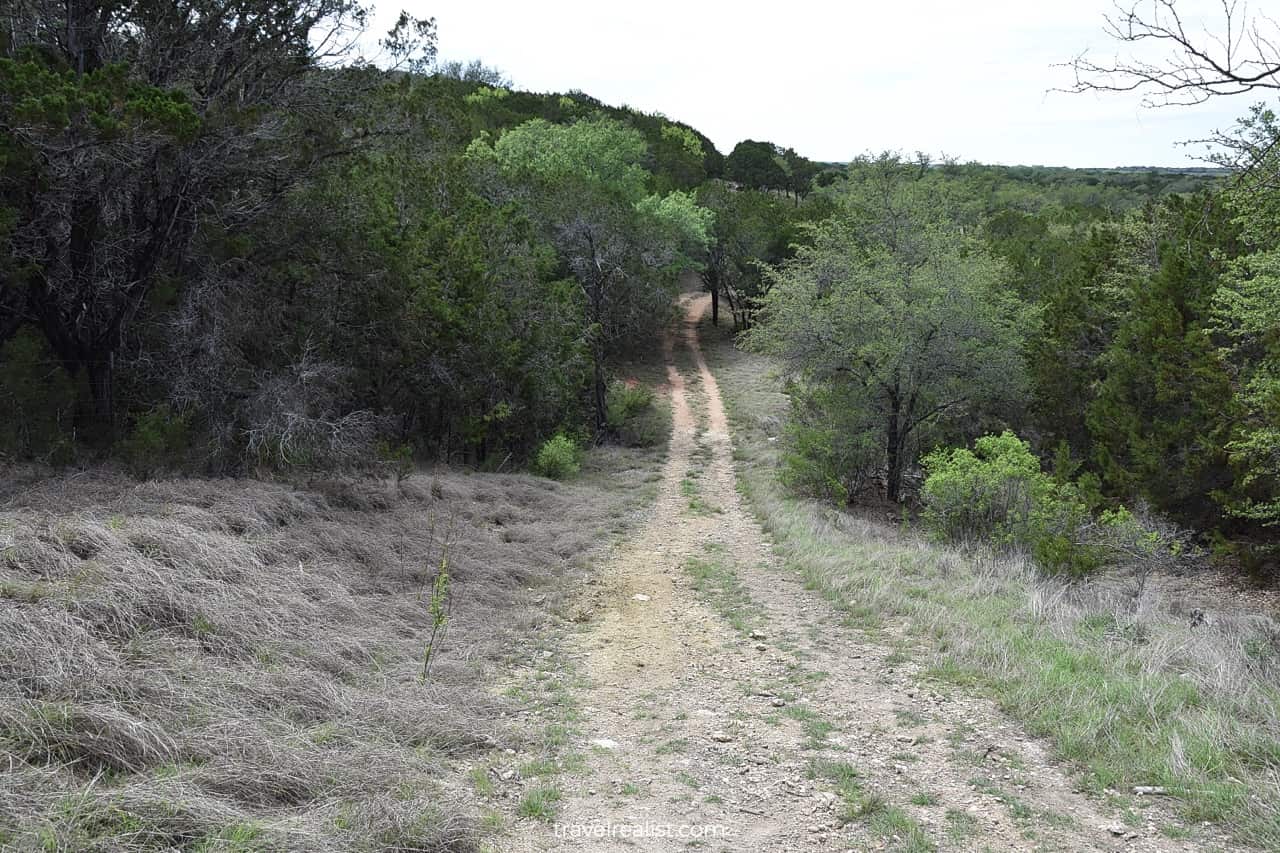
(236, 665)
(1114, 675)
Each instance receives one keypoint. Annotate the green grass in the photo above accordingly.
(689, 488)
(481, 782)
(717, 583)
(961, 826)
(890, 822)
(670, 747)
(816, 727)
(1103, 695)
(858, 804)
(540, 803)
(1018, 810)
(686, 779)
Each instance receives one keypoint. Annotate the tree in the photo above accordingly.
(129, 127)
(1242, 58)
(910, 320)
(474, 71)
(622, 247)
(679, 158)
(800, 173)
(751, 229)
(756, 165)
(1164, 401)
(1246, 313)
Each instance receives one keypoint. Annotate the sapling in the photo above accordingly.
(439, 599)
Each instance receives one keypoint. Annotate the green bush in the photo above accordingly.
(998, 493)
(396, 458)
(38, 398)
(160, 439)
(625, 401)
(830, 447)
(633, 416)
(557, 458)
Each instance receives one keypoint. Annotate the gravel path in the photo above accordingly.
(721, 699)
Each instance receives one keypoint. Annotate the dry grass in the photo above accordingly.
(234, 665)
(1115, 675)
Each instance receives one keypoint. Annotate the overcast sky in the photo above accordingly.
(836, 79)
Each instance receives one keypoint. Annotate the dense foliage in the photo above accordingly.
(999, 493)
(1123, 322)
(231, 243)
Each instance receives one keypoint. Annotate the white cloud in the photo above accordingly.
(833, 80)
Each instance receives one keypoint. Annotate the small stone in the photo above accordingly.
(639, 597)
(757, 635)
(721, 737)
(604, 743)
(760, 647)
(777, 702)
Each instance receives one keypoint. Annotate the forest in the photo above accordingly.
(269, 257)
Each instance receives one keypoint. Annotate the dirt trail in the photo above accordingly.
(697, 731)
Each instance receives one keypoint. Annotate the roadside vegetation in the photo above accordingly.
(1116, 670)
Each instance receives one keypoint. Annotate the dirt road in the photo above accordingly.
(723, 706)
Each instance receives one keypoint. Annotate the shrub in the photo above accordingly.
(626, 401)
(160, 438)
(830, 448)
(38, 398)
(998, 492)
(396, 458)
(633, 416)
(557, 458)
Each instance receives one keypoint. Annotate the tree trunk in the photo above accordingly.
(101, 370)
(715, 305)
(598, 393)
(596, 297)
(893, 486)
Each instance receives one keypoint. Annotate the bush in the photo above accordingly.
(396, 458)
(557, 458)
(998, 493)
(634, 418)
(160, 439)
(831, 448)
(39, 400)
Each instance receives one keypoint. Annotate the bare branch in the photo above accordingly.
(1238, 57)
